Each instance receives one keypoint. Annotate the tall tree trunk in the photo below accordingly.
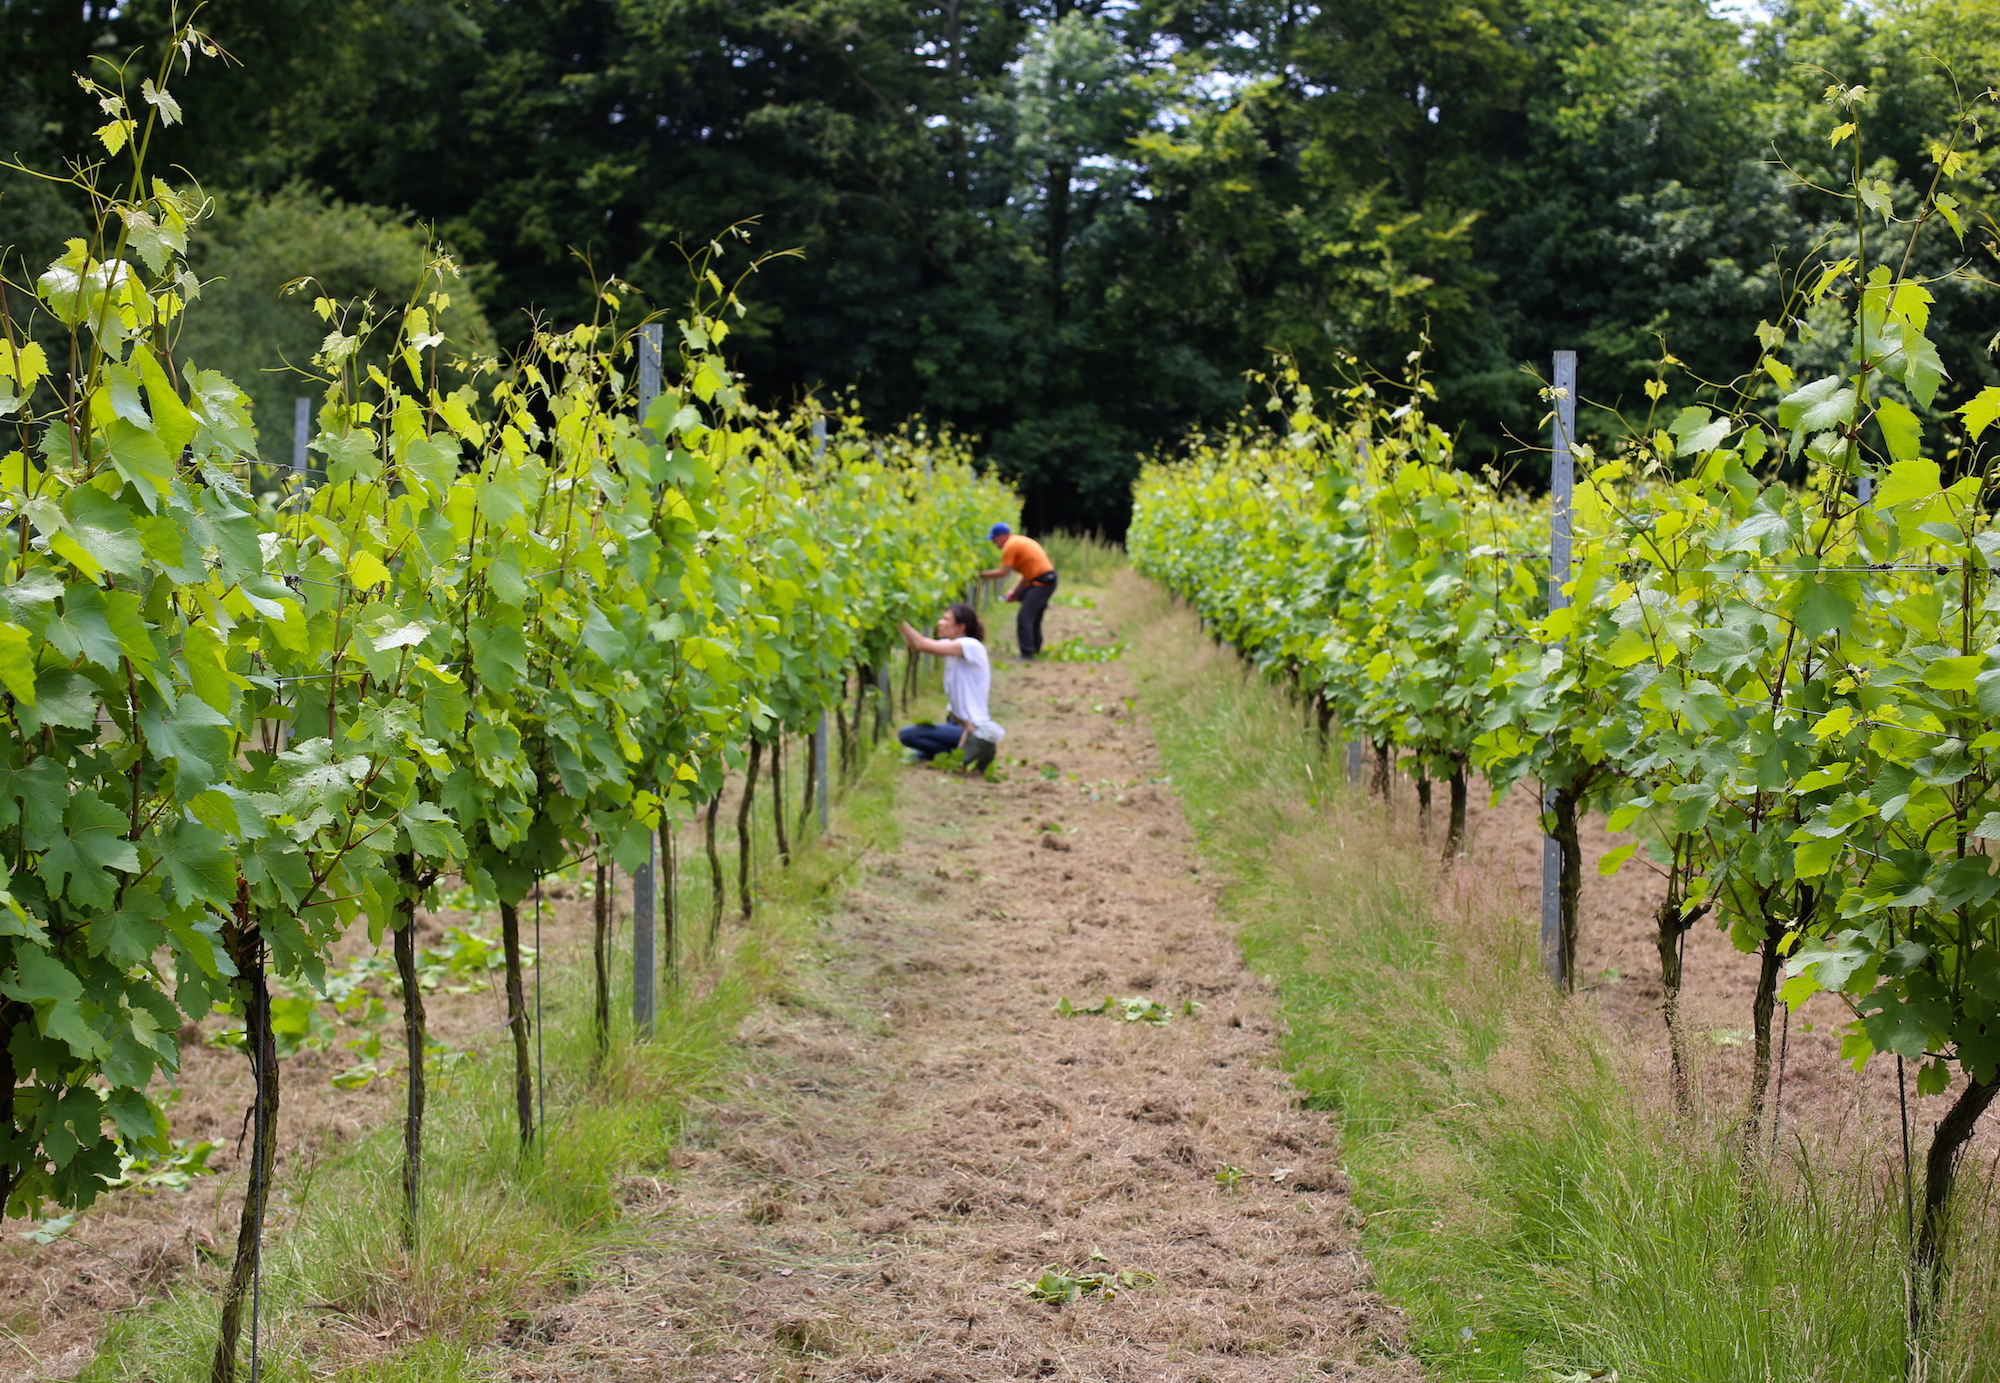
(1940, 1175)
(1569, 887)
(245, 941)
(414, 1041)
(600, 951)
(1058, 239)
(517, 1021)
(1454, 831)
(957, 68)
(778, 797)
(743, 809)
(714, 874)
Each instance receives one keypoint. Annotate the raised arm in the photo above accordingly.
(944, 648)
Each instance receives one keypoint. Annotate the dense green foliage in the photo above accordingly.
(1069, 228)
(1535, 1206)
(502, 621)
(1792, 686)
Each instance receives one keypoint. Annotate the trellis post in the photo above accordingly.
(1354, 745)
(645, 965)
(822, 795)
(1562, 483)
(301, 433)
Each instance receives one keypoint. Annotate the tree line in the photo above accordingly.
(1066, 228)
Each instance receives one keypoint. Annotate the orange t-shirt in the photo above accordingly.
(1026, 557)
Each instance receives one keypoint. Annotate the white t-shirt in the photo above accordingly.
(967, 679)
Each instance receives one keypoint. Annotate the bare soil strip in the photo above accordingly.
(927, 1132)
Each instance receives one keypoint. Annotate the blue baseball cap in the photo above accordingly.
(997, 530)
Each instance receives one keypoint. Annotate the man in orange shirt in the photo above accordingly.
(1025, 558)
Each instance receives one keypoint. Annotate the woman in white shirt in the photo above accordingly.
(967, 679)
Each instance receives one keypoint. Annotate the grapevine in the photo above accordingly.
(1792, 685)
(495, 627)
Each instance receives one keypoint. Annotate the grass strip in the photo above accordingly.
(506, 1234)
(1532, 1203)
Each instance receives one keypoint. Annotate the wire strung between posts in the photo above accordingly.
(1934, 568)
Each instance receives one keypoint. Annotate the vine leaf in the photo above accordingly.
(1902, 433)
(90, 843)
(1906, 481)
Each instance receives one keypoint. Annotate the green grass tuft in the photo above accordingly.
(1083, 559)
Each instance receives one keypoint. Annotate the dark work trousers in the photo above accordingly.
(1028, 624)
(930, 740)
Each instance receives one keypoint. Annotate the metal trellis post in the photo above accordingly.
(1354, 750)
(1562, 482)
(645, 965)
(301, 433)
(821, 791)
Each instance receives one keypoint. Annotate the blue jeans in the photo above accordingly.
(929, 741)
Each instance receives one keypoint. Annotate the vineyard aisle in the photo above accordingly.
(924, 1132)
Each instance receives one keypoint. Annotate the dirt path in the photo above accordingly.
(927, 1132)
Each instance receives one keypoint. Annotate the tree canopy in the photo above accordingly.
(1069, 228)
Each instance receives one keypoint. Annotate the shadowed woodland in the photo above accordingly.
(1067, 229)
